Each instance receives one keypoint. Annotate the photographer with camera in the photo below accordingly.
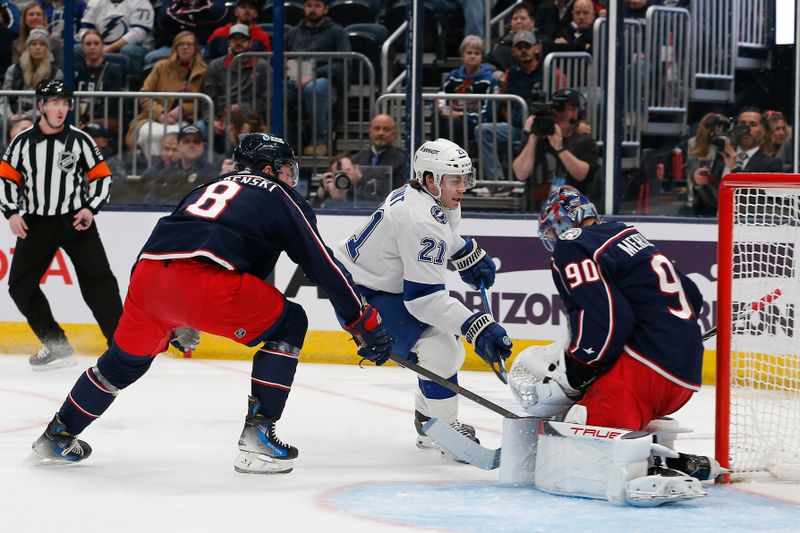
(738, 150)
(555, 153)
(339, 183)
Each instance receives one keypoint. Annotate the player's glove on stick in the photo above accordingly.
(374, 342)
(474, 265)
(184, 338)
(490, 340)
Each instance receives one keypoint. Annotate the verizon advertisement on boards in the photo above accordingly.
(523, 297)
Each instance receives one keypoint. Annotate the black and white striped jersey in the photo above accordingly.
(55, 174)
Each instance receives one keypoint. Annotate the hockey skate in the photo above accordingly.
(57, 355)
(58, 446)
(424, 442)
(261, 451)
(667, 486)
(697, 466)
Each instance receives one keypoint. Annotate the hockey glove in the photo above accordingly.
(374, 342)
(490, 340)
(184, 338)
(474, 265)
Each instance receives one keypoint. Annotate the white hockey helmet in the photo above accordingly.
(442, 157)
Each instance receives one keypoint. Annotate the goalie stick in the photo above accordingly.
(498, 367)
(754, 306)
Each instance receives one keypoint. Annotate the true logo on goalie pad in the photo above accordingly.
(571, 234)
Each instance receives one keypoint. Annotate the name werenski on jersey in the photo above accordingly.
(633, 244)
(256, 181)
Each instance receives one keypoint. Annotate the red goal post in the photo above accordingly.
(758, 355)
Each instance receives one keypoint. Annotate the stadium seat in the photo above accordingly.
(347, 12)
(367, 39)
(292, 11)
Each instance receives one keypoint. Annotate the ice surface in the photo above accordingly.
(163, 461)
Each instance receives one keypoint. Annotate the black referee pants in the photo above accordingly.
(32, 257)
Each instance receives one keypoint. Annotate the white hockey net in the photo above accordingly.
(764, 351)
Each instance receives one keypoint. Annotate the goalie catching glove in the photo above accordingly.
(490, 340)
(474, 265)
(374, 342)
(546, 381)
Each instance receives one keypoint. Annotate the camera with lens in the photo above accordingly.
(725, 130)
(341, 180)
(544, 122)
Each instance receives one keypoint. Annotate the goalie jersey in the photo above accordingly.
(403, 249)
(243, 221)
(622, 294)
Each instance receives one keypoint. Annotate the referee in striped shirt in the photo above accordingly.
(55, 174)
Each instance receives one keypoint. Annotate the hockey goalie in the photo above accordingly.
(632, 356)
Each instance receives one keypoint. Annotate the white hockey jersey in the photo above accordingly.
(129, 19)
(403, 249)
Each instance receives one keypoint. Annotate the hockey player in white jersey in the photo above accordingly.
(399, 260)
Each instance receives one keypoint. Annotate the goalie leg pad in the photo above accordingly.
(650, 491)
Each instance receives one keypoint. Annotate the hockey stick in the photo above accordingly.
(754, 306)
(461, 447)
(458, 389)
(497, 367)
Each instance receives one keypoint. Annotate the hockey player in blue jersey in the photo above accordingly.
(634, 352)
(203, 267)
(399, 260)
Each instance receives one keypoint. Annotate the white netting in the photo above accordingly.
(765, 355)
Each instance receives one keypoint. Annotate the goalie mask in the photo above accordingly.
(442, 157)
(565, 208)
(258, 150)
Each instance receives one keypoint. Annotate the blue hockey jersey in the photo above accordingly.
(243, 221)
(622, 294)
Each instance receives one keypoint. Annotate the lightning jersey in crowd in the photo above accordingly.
(403, 249)
(622, 294)
(131, 20)
(243, 221)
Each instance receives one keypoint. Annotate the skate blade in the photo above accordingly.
(256, 463)
(35, 460)
(58, 363)
(426, 443)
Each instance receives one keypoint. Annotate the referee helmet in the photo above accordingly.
(50, 88)
(256, 151)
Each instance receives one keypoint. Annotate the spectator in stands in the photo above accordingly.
(34, 65)
(123, 190)
(200, 17)
(345, 185)
(577, 37)
(777, 142)
(381, 152)
(161, 171)
(565, 157)
(742, 153)
(32, 16)
(473, 77)
(93, 72)
(183, 71)
(126, 27)
(552, 16)
(315, 33)
(191, 170)
(700, 151)
(54, 15)
(243, 121)
(248, 82)
(246, 12)
(16, 123)
(9, 31)
(522, 79)
(522, 19)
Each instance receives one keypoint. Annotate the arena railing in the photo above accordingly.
(505, 194)
(386, 84)
(358, 86)
(118, 112)
(713, 50)
(667, 73)
(752, 29)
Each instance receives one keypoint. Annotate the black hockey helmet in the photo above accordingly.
(50, 88)
(257, 150)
